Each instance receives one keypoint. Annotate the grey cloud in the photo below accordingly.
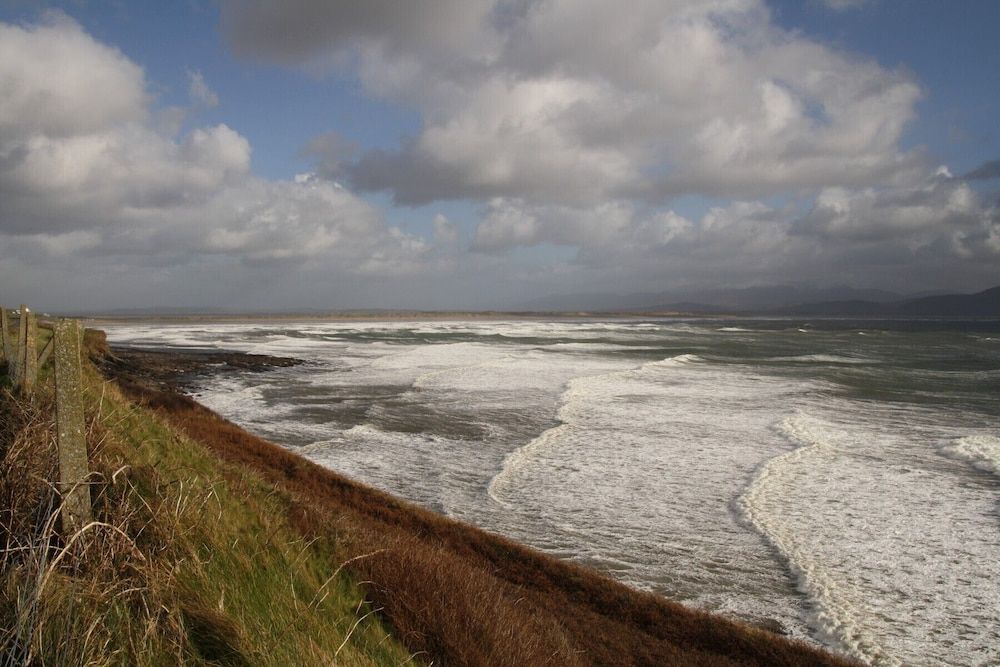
(898, 236)
(986, 171)
(510, 223)
(940, 208)
(412, 178)
(297, 31)
(60, 183)
(518, 167)
(331, 154)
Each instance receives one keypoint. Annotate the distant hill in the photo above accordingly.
(706, 300)
(980, 304)
(780, 300)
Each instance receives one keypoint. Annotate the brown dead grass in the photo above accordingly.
(457, 595)
(90, 597)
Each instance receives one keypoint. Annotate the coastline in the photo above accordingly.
(602, 616)
(98, 320)
(178, 370)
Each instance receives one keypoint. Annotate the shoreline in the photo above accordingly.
(178, 370)
(158, 372)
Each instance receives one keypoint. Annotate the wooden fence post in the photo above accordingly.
(70, 427)
(5, 349)
(29, 363)
(17, 363)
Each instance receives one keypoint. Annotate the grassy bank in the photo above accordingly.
(213, 546)
(189, 559)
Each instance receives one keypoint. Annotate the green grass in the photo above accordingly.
(189, 560)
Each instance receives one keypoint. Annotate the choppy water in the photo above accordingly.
(839, 478)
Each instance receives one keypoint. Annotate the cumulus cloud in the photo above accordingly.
(331, 152)
(899, 236)
(942, 216)
(576, 124)
(572, 102)
(984, 172)
(58, 81)
(86, 171)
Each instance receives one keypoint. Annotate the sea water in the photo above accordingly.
(838, 481)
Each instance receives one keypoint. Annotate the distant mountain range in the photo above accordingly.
(710, 300)
(980, 304)
(782, 300)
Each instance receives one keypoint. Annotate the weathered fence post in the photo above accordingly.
(5, 349)
(12, 355)
(70, 427)
(17, 361)
(28, 364)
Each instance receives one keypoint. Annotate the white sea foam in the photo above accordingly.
(444, 474)
(596, 347)
(981, 451)
(611, 484)
(899, 558)
(575, 394)
(826, 359)
(555, 434)
(414, 361)
(679, 360)
(835, 616)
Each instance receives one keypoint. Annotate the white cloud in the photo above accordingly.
(576, 123)
(577, 101)
(58, 81)
(904, 237)
(87, 171)
(943, 215)
(573, 123)
(506, 225)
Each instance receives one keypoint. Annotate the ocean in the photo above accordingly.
(836, 480)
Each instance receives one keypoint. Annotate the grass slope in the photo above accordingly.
(190, 560)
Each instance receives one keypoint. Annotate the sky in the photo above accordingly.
(475, 154)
